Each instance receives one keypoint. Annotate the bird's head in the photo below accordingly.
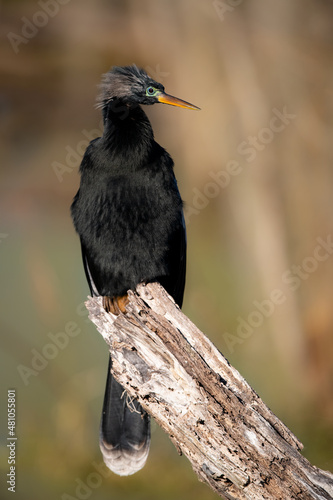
(133, 86)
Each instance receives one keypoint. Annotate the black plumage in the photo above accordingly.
(129, 216)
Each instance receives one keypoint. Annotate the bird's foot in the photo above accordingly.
(115, 305)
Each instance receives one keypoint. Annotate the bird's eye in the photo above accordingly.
(151, 91)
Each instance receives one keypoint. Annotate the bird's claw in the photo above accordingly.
(115, 305)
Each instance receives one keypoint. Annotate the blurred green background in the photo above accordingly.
(252, 230)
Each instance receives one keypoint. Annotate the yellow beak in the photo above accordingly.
(174, 101)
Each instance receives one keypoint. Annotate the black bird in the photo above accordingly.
(129, 216)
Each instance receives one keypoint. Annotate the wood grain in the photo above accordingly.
(232, 439)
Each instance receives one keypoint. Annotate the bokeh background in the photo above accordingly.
(253, 231)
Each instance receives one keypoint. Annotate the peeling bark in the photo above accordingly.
(232, 439)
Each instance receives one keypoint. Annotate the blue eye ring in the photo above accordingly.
(151, 91)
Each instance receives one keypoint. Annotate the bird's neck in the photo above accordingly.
(127, 130)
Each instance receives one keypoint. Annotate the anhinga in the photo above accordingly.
(129, 216)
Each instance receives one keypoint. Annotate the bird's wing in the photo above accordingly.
(92, 286)
(174, 282)
(180, 281)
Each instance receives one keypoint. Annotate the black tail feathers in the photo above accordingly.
(125, 430)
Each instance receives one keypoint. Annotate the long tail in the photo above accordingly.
(125, 430)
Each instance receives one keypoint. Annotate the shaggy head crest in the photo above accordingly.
(127, 83)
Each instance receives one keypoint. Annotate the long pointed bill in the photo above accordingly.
(174, 101)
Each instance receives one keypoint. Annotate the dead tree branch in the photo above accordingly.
(232, 439)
